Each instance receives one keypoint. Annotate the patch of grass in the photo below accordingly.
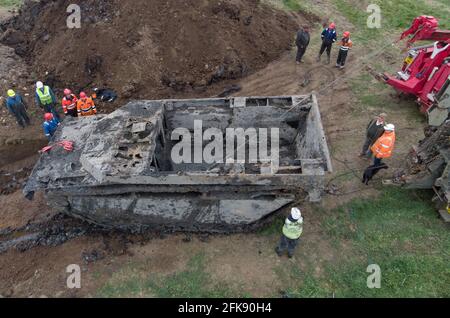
(311, 288)
(444, 2)
(404, 276)
(125, 283)
(274, 228)
(193, 282)
(358, 18)
(293, 5)
(400, 231)
(397, 219)
(10, 3)
(396, 16)
(373, 95)
(370, 92)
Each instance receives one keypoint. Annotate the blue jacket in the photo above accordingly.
(38, 100)
(50, 127)
(13, 102)
(329, 35)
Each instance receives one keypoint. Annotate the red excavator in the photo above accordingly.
(426, 70)
(426, 75)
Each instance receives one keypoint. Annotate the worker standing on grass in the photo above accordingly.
(329, 36)
(292, 231)
(384, 146)
(50, 125)
(302, 42)
(17, 107)
(69, 103)
(375, 130)
(346, 46)
(45, 99)
(86, 106)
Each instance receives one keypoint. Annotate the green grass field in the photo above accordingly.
(402, 234)
(10, 3)
(396, 16)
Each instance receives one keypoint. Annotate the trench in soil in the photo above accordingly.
(19, 150)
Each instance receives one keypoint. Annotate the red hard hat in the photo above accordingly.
(48, 116)
(346, 34)
(67, 91)
(333, 25)
(83, 95)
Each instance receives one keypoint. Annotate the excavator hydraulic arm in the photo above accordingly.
(426, 69)
(425, 28)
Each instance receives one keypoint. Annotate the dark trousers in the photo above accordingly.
(72, 113)
(366, 148)
(50, 108)
(301, 50)
(326, 46)
(288, 245)
(378, 162)
(342, 57)
(21, 115)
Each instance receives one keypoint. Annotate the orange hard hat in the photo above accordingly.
(67, 91)
(333, 25)
(48, 116)
(83, 95)
(346, 34)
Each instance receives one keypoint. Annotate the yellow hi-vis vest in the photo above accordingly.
(292, 230)
(45, 97)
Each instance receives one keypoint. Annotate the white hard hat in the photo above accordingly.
(296, 214)
(389, 127)
(39, 84)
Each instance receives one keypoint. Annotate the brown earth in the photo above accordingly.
(149, 49)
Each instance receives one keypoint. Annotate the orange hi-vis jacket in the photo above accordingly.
(86, 107)
(69, 105)
(384, 146)
(346, 44)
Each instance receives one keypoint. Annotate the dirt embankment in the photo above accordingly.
(149, 49)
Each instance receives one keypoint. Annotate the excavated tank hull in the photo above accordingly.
(123, 175)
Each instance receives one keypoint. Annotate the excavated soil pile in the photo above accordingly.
(149, 49)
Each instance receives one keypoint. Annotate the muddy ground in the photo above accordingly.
(149, 49)
(260, 65)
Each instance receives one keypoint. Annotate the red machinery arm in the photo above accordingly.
(426, 28)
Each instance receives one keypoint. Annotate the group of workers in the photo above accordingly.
(329, 37)
(46, 100)
(380, 143)
(380, 140)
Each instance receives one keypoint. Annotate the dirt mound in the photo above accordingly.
(149, 49)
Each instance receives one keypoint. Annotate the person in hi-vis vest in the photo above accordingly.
(292, 231)
(46, 100)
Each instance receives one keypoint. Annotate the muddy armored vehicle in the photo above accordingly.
(428, 167)
(122, 174)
